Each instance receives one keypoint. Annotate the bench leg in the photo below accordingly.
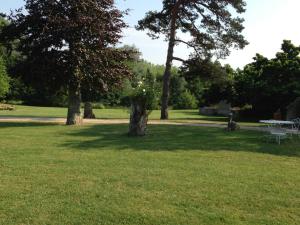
(278, 140)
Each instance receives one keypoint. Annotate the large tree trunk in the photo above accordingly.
(138, 119)
(88, 111)
(74, 112)
(167, 74)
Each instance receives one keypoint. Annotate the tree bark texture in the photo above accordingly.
(138, 119)
(74, 110)
(88, 111)
(167, 73)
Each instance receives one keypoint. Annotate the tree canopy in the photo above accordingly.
(210, 23)
(70, 43)
(4, 80)
(208, 80)
(270, 84)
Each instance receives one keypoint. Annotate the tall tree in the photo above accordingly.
(210, 23)
(72, 44)
(208, 80)
(270, 84)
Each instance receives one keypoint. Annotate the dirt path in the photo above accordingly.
(120, 121)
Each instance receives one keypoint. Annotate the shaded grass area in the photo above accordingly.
(53, 174)
(120, 113)
(185, 116)
(32, 111)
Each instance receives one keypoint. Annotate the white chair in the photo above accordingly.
(278, 133)
(295, 128)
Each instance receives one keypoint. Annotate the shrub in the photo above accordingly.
(17, 90)
(6, 107)
(177, 86)
(186, 101)
(4, 79)
(98, 105)
(143, 89)
(144, 98)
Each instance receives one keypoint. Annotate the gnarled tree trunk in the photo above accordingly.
(88, 111)
(74, 112)
(138, 119)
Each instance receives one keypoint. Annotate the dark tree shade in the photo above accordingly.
(270, 84)
(4, 80)
(208, 80)
(212, 28)
(71, 43)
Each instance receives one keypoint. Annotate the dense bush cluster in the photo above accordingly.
(186, 100)
(143, 90)
(4, 80)
(270, 85)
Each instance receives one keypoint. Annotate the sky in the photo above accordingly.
(267, 24)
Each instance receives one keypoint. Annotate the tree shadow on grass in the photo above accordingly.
(177, 138)
(197, 116)
(25, 124)
(29, 116)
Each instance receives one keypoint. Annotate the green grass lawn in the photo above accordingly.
(59, 175)
(30, 111)
(187, 116)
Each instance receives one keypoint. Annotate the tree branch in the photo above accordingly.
(189, 45)
(179, 59)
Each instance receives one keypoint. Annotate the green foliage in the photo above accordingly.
(69, 46)
(186, 100)
(211, 25)
(17, 90)
(98, 105)
(144, 89)
(144, 85)
(270, 84)
(8, 48)
(4, 79)
(11, 57)
(117, 96)
(141, 67)
(208, 80)
(177, 87)
(198, 89)
(42, 96)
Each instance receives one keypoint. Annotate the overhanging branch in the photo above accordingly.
(189, 45)
(179, 59)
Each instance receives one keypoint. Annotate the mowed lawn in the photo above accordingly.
(59, 175)
(181, 116)
(118, 113)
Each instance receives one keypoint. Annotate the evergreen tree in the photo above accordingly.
(210, 23)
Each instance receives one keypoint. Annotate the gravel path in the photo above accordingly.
(119, 121)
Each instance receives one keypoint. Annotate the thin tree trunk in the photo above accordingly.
(74, 109)
(167, 74)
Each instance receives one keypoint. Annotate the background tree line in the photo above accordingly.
(72, 44)
(265, 84)
(33, 68)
